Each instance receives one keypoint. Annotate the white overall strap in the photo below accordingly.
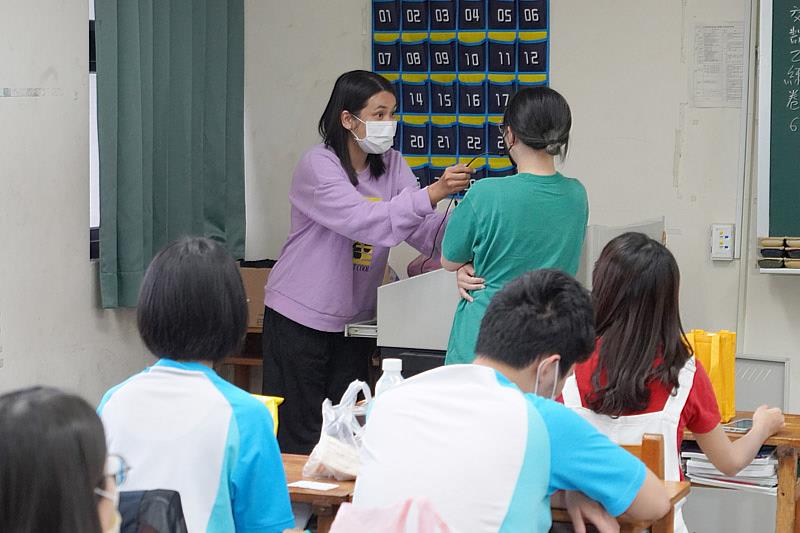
(671, 414)
(673, 409)
(676, 402)
(628, 429)
(570, 393)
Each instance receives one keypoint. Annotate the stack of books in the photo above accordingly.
(759, 476)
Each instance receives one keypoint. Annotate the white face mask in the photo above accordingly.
(555, 382)
(379, 135)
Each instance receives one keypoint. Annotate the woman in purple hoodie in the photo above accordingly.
(353, 198)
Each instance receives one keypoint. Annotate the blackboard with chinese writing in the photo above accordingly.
(784, 132)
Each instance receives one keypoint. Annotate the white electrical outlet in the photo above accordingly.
(722, 242)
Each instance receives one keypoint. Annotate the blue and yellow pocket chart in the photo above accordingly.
(454, 65)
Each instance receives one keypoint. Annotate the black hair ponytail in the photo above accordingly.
(541, 119)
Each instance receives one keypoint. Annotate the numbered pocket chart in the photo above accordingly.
(454, 65)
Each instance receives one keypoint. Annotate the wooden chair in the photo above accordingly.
(243, 363)
(651, 453)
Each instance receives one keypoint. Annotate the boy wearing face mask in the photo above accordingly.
(352, 199)
(485, 444)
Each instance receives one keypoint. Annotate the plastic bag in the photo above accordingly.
(411, 516)
(336, 454)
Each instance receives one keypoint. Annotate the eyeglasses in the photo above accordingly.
(117, 468)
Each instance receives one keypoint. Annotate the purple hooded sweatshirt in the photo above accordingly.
(334, 258)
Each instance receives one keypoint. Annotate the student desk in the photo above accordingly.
(324, 504)
(677, 490)
(787, 442)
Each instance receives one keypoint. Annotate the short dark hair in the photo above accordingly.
(52, 457)
(539, 314)
(192, 304)
(541, 119)
(350, 93)
(635, 288)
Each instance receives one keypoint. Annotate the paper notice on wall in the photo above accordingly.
(718, 69)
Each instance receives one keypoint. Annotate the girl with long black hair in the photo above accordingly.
(643, 377)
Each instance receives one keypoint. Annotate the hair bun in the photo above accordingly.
(553, 148)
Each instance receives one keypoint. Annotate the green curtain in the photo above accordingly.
(170, 108)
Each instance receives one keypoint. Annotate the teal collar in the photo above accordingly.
(552, 178)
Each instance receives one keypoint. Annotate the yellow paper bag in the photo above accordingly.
(717, 353)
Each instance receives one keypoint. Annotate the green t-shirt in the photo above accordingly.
(506, 227)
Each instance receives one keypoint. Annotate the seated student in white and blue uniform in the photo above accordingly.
(485, 443)
(179, 425)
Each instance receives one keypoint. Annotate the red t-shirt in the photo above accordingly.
(699, 415)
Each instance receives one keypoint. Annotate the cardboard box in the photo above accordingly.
(254, 280)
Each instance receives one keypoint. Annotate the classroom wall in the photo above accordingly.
(51, 328)
(772, 308)
(623, 65)
(639, 147)
(293, 55)
(290, 69)
(626, 78)
(642, 150)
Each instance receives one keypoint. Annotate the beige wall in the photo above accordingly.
(290, 68)
(772, 309)
(622, 64)
(638, 145)
(51, 329)
(294, 51)
(626, 78)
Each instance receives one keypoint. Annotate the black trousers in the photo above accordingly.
(305, 366)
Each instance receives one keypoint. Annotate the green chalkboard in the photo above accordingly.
(784, 172)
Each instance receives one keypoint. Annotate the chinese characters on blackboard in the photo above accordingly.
(792, 79)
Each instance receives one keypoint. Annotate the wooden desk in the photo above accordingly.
(324, 504)
(787, 441)
(677, 490)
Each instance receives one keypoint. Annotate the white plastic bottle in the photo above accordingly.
(391, 376)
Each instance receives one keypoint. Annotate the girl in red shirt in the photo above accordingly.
(643, 377)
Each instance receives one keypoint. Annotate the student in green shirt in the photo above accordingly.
(507, 226)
